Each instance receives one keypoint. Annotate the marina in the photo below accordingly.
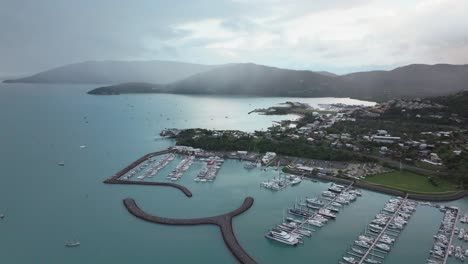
(210, 170)
(312, 213)
(155, 167)
(376, 242)
(65, 188)
(443, 247)
(181, 168)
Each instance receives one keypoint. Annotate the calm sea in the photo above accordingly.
(46, 205)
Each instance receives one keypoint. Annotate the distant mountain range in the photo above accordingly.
(416, 80)
(114, 72)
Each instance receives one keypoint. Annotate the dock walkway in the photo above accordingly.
(115, 179)
(317, 212)
(451, 237)
(137, 162)
(376, 240)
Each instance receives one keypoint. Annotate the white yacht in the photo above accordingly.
(350, 260)
(361, 244)
(296, 181)
(372, 261)
(283, 237)
(72, 244)
(384, 247)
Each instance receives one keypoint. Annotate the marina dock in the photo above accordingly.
(116, 178)
(136, 163)
(317, 212)
(457, 215)
(382, 232)
(313, 212)
(224, 222)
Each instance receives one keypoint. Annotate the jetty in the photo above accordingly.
(223, 221)
(382, 231)
(116, 178)
(312, 212)
(325, 206)
(136, 163)
(457, 214)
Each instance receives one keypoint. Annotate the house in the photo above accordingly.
(382, 132)
(385, 139)
(305, 169)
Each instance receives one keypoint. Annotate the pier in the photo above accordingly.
(115, 179)
(457, 215)
(224, 222)
(317, 212)
(376, 240)
(136, 163)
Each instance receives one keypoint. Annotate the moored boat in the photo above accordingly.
(72, 244)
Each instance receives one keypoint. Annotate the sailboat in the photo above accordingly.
(72, 244)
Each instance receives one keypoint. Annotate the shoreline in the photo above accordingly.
(226, 154)
(390, 191)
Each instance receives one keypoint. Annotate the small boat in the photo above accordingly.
(361, 244)
(296, 181)
(283, 237)
(2, 216)
(72, 244)
(61, 164)
(83, 147)
(384, 247)
(350, 260)
(358, 251)
(372, 261)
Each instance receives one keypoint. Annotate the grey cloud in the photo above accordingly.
(36, 35)
(238, 24)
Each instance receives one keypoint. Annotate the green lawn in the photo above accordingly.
(410, 182)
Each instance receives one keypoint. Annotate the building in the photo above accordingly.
(385, 139)
(186, 149)
(382, 132)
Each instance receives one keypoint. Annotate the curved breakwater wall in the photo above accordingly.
(224, 222)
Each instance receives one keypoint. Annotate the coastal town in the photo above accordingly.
(390, 138)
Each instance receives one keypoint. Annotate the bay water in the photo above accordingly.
(46, 204)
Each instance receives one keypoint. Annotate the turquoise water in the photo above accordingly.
(46, 204)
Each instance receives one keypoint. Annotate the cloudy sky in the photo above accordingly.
(335, 35)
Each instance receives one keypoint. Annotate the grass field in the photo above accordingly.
(410, 182)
